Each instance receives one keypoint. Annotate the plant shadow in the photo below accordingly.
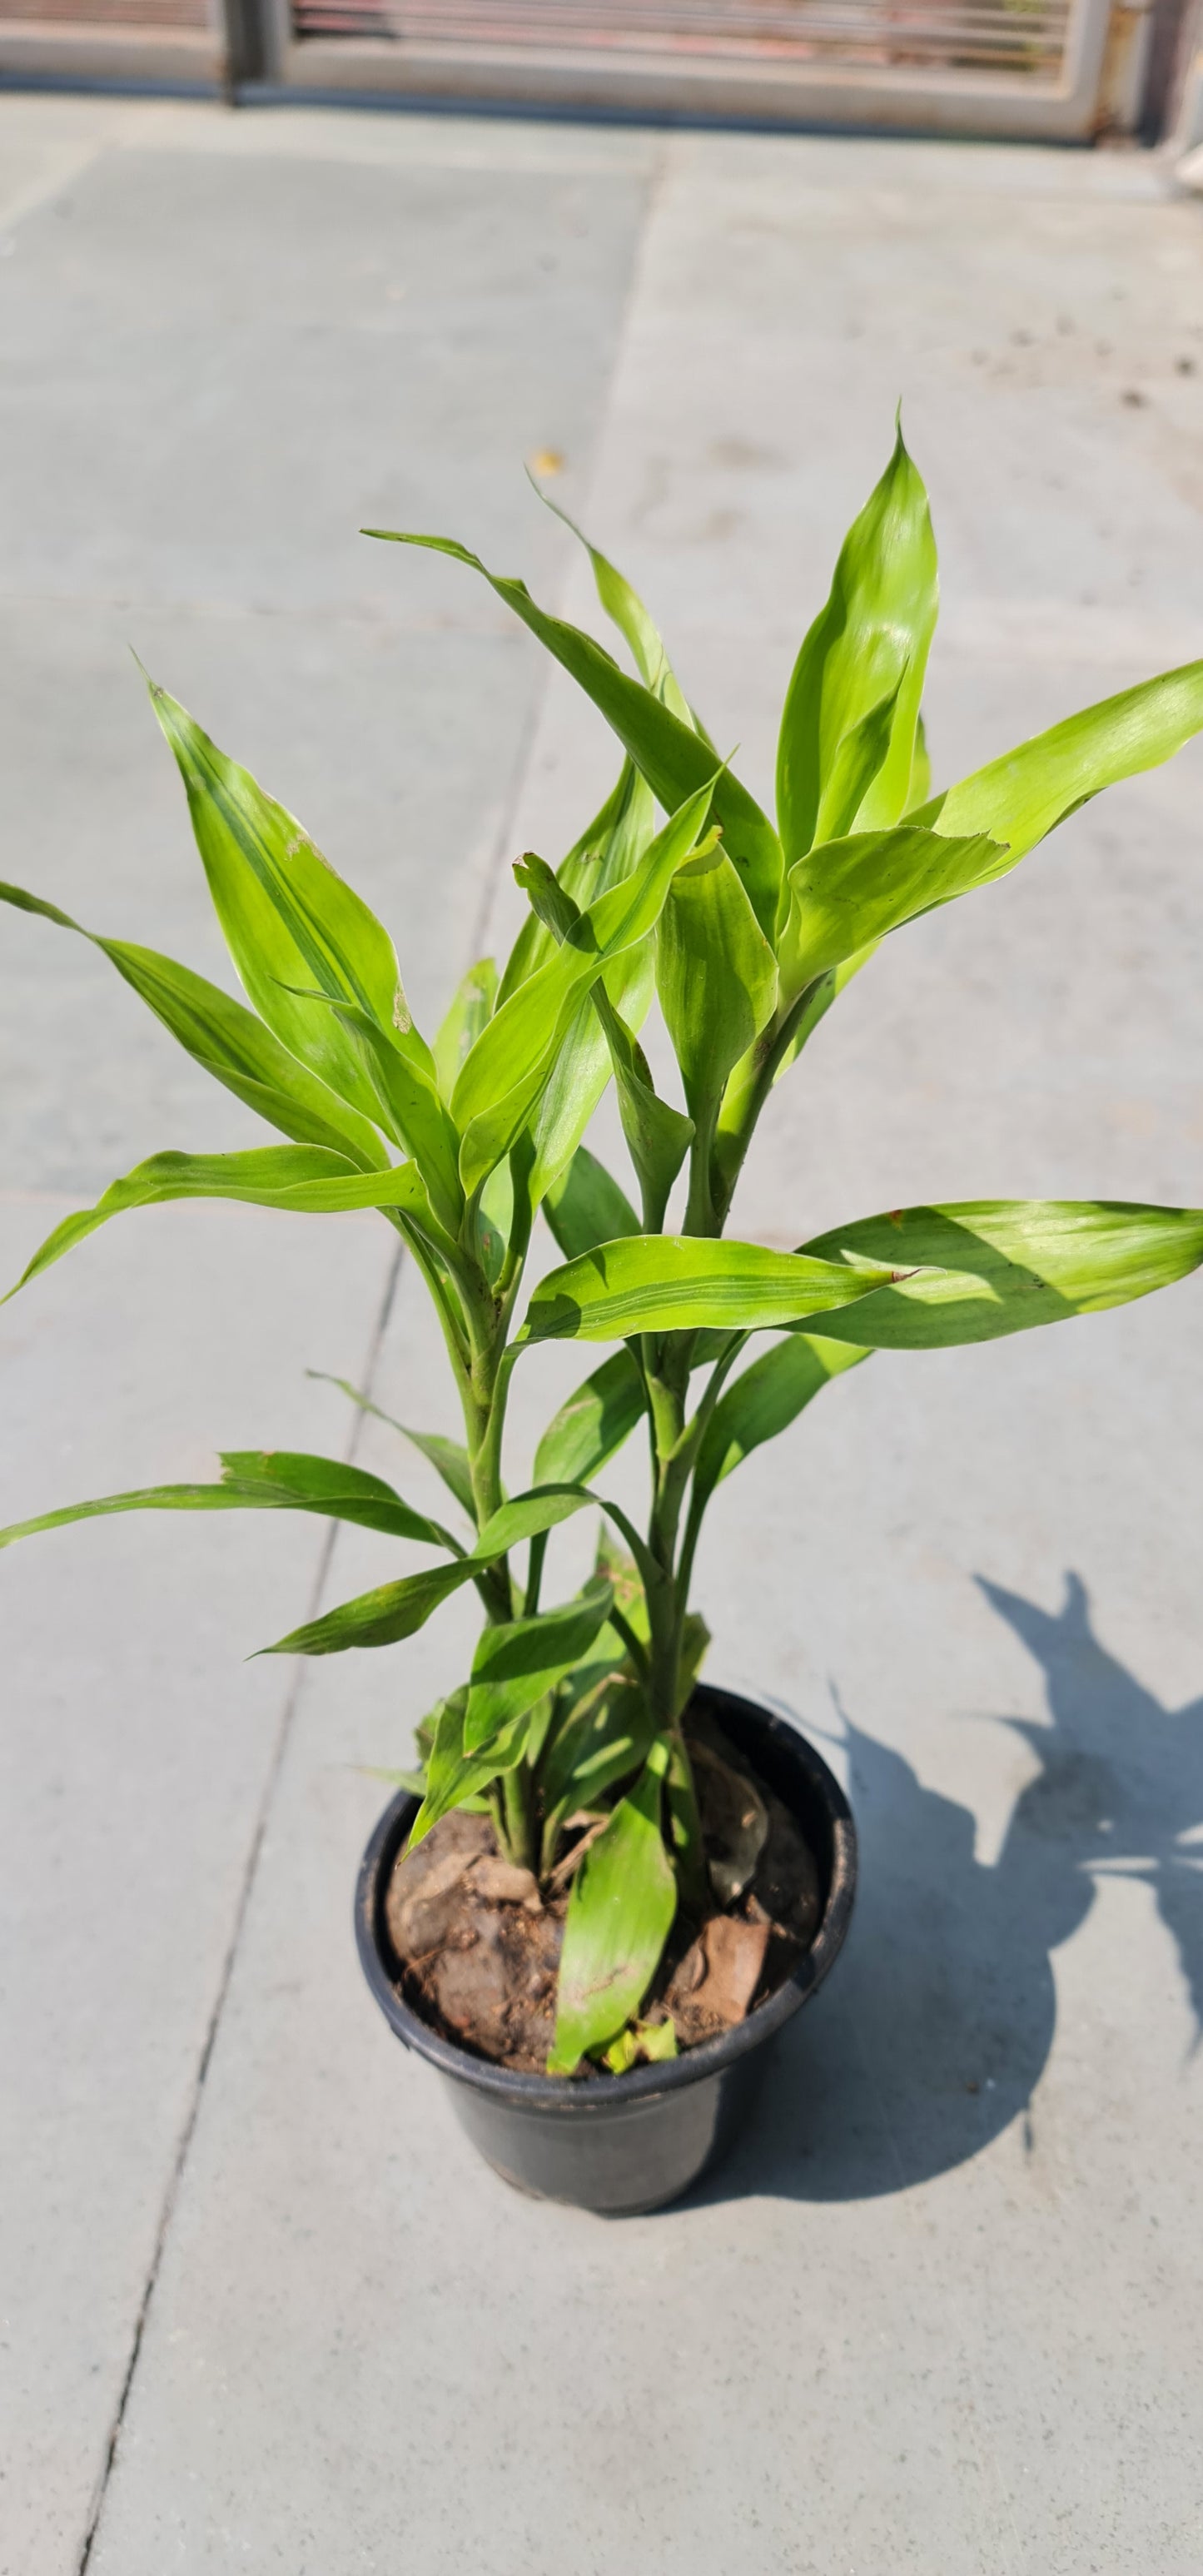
(941, 2015)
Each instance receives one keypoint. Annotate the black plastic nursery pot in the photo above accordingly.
(619, 2144)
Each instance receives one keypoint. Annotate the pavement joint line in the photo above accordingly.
(479, 926)
(534, 716)
(241, 1910)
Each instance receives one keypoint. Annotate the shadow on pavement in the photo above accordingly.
(940, 2018)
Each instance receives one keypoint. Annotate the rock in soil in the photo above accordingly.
(487, 1976)
(717, 1978)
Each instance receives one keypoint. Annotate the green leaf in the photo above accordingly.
(764, 1401)
(658, 1136)
(263, 1480)
(515, 1054)
(643, 2042)
(1000, 1266)
(621, 1571)
(230, 1042)
(845, 895)
(675, 760)
(867, 649)
(620, 1913)
(592, 1424)
(625, 606)
(1023, 796)
(861, 756)
(607, 851)
(289, 921)
(475, 998)
(582, 1069)
(305, 1179)
(716, 977)
(671, 1283)
(528, 1515)
(395, 1610)
(587, 1207)
(380, 1617)
(293, 1480)
(515, 1664)
(410, 1106)
(454, 1778)
(448, 1457)
(605, 1737)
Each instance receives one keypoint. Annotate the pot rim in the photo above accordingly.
(571, 2095)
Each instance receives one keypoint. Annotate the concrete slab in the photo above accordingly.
(218, 363)
(942, 2312)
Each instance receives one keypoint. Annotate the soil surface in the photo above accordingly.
(477, 1946)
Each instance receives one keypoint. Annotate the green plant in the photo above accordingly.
(746, 933)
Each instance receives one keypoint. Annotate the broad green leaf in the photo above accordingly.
(620, 1913)
(973, 1272)
(622, 1573)
(514, 1055)
(448, 1457)
(671, 1283)
(305, 1179)
(845, 895)
(763, 1401)
(294, 1480)
(230, 1042)
(606, 852)
(587, 1207)
(625, 606)
(1021, 797)
(264, 1481)
(515, 1664)
(395, 1610)
(604, 1738)
(528, 1515)
(716, 976)
(592, 1424)
(380, 1617)
(675, 760)
(289, 921)
(861, 755)
(583, 1067)
(596, 1039)
(658, 1136)
(410, 1107)
(868, 645)
(453, 1778)
(475, 997)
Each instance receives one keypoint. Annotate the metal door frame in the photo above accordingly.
(1099, 86)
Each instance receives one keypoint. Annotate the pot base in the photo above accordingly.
(629, 2159)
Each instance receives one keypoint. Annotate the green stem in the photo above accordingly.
(517, 1801)
(534, 1573)
(741, 1110)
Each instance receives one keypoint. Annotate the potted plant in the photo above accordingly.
(606, 1887)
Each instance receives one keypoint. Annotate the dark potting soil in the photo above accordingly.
(477, 1946)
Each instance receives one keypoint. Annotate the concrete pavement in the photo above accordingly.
(262, 2307)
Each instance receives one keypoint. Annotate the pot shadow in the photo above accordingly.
(941, 2014)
